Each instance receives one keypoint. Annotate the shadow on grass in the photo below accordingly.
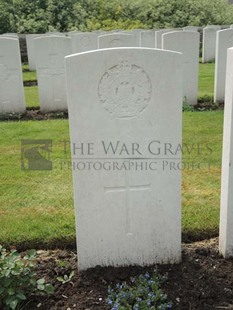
(69, 243)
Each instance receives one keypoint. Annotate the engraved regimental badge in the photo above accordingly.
(125, 90)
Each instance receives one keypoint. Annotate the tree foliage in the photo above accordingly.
(38, 16)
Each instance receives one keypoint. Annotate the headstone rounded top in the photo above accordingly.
(125, 90)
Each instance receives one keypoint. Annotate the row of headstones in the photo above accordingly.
(84, 41)
(150, 38)
(127, 194)
(49, 58)
(147, 39)
(48, 53)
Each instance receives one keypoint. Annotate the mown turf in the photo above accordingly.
(206, 79)
(201, 186)
(36, 207)
(29, 76)
(32, 96)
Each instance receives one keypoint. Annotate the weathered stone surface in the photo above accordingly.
(128, 201)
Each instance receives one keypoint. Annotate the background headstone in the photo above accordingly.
(223, 42)
(147, 38)
(11, 81)
(159, 33)
(125, 217)
(84, 41)
(31, 50)
(191, 28)
(226, 210)
(137, 33)
(225, 27)
(187, 43)
(209, 43)
(50, 52)
(71, 33)
(118, 40)
(13, 35)
(55, 33)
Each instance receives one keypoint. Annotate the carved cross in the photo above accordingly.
(128, 189)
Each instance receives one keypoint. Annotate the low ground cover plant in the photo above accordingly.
(18, 279)
(142, 293)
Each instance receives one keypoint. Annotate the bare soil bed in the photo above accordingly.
(204, 280)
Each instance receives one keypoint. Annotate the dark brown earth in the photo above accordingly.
(204, 280)
(34, 113)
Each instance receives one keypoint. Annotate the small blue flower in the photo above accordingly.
(140, 290)
(116, 306)
(136, 307)
(146, 275)
(109, 301)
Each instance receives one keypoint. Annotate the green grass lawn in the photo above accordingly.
(206, 79)
(29, 76)
(31, 94)
(36, 207)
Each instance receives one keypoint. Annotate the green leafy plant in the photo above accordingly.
(66, 278)
(142, 293)
(62, 263)
(18, 278)
(187, 107)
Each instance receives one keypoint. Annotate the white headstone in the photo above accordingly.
(118, 30)
(100, 32)
(187, 43)
(137, 33)
(11, 80)
(50, 52)
(137, 30)
(71, 33)
(117, 40)
(226, 211)
(55, 33)
(209, 43)
(191, 28)
(126, 211)
(225, 26)
(31, 50)
(84, 41)
(158, 36)
(213, 26)
(13, 35)
(223, 42)
(147, 38)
